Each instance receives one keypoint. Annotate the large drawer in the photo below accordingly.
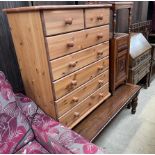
(61, 45)
(75, 115)
(139, 76)
(60, 21)
(96, 17)
(67, 64)
(76, 79)
(72, 99)
(146, 56)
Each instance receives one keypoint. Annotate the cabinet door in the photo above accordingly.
(121, 66)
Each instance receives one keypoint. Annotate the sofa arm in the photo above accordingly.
(52, 135)
(27, 106)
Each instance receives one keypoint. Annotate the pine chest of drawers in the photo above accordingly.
(63, 54)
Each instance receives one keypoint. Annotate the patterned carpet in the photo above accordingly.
(132, 133)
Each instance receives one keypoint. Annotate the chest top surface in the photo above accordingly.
(55, 7)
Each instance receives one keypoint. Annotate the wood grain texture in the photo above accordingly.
(8, 59)
(75, 115)
(94, 123)
(43, 45)
(55, 7)
(76, 79)
(60, 21)
(119, 64)
(64, 44)
(72, 99)
(96, 17)
(26, 29)
(70, 63)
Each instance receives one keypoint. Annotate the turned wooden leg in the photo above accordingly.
(147, 84)
(149, 79)
(134, 104)
(129, 105)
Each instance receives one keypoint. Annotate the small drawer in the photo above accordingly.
(76, 79)
(70, 63)
(72, 99)
(62, 45)
(96, 17)
(75, 115)
(96, 35)
(60, 21)
(123, 43)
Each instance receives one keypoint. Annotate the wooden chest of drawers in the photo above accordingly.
(63, 54)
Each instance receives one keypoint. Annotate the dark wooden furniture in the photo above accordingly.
(119, 53)
(119, 49)
(140, 59)
(94, 123)
(151, 40)
(144, 27)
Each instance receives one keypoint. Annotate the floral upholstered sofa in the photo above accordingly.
(25, 128)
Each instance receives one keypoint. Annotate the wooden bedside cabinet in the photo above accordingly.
(119, 55)
(63, 54)
(119, 49)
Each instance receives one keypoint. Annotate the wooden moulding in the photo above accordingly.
(95, 122)
(55, 7)
(121, 5)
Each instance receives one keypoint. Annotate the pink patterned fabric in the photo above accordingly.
(32, 148)
(27, 106)
(6, 94)
(13, 124)
(28, 137)
(13, 127)
(16, 133)
(40, 121)
(53, 135)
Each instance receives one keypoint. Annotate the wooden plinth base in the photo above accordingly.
(93, 124)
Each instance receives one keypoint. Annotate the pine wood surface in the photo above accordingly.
(75, 97)
(26, 29)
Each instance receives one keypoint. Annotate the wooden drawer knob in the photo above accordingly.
(100, 17)
(75, 99)
(76, 114)
(100, 82)
(74, 82)
(101, 94)
(100, 53)
(68, 21)
(70, 44)
(100, 68)
(72, 64)
(99, 36)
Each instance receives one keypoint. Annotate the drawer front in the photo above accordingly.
(123, 43)
(145, 64)
(61, 45)
(60, 21)
(137, 77)
(66, 65)
(142, 59)
(96, 17)
(72, 99)
(76, 79)
(75, 115)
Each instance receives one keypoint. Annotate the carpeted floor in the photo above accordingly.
(132, 133)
